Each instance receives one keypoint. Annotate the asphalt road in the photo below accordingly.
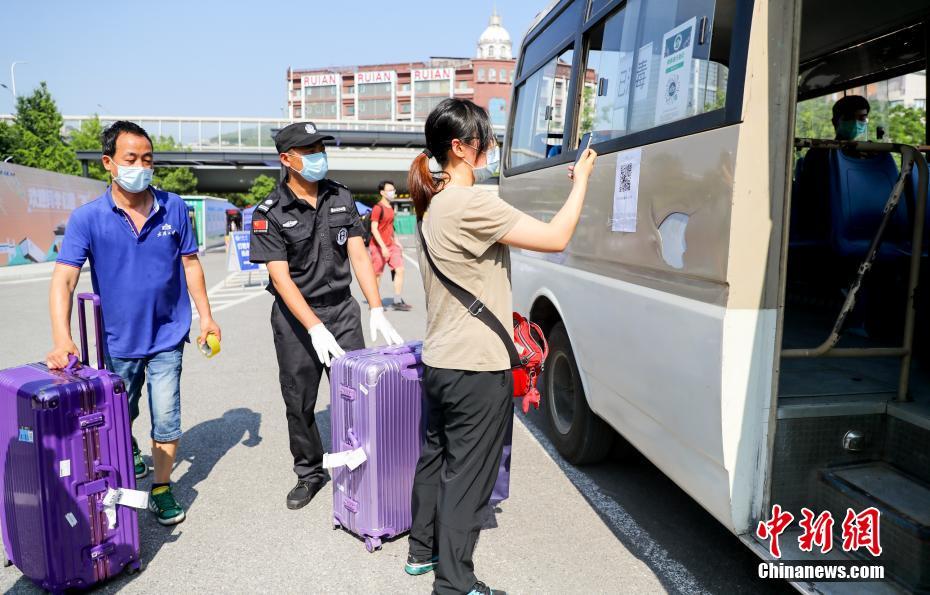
(617, 527)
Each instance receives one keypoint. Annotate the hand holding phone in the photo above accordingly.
(583, 146)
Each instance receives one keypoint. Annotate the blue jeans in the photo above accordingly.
(163, 373)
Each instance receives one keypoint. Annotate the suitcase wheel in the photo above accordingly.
(134, 567)
(372, 544)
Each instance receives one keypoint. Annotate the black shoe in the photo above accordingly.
(303, 493)
(482, 589)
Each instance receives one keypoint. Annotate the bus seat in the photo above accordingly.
(810, 205)
(859, 189)
(910, 191)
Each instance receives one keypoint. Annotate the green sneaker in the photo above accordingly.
(138, 464)
(166, 508)
(416, 567)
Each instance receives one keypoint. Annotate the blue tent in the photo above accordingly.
(362, 208)
(247, 218)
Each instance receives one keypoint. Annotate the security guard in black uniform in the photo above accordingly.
(308, 231)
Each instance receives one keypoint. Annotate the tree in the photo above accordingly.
(37, 134)
(907, 124)
(239, 199)
(262, 186)
(165, 143)
(88, 138)
(587, 108)
(180, 180)
(7, 142)
(813, 119)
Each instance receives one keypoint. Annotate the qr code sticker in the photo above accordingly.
(625, 178)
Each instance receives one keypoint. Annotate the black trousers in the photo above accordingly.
(468, 417)
(299, 372)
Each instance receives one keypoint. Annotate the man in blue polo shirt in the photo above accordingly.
(143, 263)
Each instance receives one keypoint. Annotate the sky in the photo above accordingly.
(201, 58)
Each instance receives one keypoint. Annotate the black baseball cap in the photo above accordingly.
(298, 134)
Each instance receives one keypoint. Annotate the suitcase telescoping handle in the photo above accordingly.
(98, 328)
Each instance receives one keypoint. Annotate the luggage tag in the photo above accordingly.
(350, 458)
(122, 497)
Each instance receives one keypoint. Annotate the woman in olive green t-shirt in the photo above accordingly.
(467, 376)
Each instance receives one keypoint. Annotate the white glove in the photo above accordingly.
(324, 343)
(379, 324)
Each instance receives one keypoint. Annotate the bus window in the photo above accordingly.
(541, 104)
(895, 113)
(556, 34)
(597, 6)
(648, 63)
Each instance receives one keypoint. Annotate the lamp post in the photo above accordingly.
(13, 75)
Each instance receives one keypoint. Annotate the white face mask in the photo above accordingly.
(133, 178)
(390, 194)
(491, 167)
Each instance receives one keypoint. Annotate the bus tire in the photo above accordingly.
(577, 432)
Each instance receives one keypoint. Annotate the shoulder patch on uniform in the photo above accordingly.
(259, 226)
(263, 208)
(290, 224)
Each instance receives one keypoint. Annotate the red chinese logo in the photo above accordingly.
(861, 530)
(774, 527)
(817, 531)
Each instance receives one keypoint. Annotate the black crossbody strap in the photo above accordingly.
(474, 306)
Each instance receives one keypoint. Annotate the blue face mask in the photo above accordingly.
(491, 167)
(851, 129)
(133, 179)
(315, 166)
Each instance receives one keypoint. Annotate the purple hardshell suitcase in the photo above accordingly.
(377, 403)
(64, 440)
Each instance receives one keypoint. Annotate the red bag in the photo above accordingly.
(530, 338)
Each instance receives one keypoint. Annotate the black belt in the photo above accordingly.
(330, 299)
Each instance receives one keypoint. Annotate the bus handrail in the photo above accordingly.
(910, 157)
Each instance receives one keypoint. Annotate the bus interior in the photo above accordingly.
(852, 428)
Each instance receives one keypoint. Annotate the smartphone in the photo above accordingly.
(583, 146)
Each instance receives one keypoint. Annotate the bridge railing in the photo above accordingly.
(225, 133)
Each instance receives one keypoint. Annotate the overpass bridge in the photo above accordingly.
(227, 153)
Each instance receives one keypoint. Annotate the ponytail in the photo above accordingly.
(453, 118)
(421, 183)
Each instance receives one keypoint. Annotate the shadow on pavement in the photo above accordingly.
(631, 485)
(202, 446)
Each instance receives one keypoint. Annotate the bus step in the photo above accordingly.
(904, 504)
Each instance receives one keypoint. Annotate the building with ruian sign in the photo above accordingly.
(407, 91)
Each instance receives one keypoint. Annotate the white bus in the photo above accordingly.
(761, 343)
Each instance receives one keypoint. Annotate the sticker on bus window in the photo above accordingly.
(626, 190)
(642, 72)
(675, 72)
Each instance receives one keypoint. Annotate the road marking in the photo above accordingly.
(233, 291)
(415, 264)
(636, 539)
(21, 281)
